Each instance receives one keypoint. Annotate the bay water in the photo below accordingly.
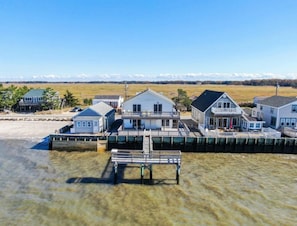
(41, 187)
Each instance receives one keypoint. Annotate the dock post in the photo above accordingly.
(115, 181)
(177, 173)
(141, 173)
(151, 173)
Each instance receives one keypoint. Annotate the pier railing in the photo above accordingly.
(138, 157)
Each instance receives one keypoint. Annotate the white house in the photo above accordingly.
(96, 118)
(114, 101)
(278, 111)
(150, 110)
(214, 109)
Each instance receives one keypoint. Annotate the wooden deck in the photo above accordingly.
(146, 157)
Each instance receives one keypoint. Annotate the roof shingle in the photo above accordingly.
(206, 99)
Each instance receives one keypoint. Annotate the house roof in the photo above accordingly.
(116, 97)
(277, 101)
(206, 99)
(100, 109)
(34, 93)
(159, 95)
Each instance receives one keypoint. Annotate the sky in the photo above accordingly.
(147, 40)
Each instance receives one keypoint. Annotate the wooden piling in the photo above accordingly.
(115, 166)
(141, 173)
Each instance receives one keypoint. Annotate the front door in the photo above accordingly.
(223, 122)
(95, 126)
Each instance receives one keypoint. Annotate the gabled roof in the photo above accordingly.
(206, 99)
(116, 97)
(154, 93)
(34, 93)
(100, 109)
(277, 101)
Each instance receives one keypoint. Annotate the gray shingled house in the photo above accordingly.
(278, 111)
(213, 109)
(114, 101)
(94, 119)
(32, 100)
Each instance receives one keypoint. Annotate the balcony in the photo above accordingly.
(226, 111)
(150, 115)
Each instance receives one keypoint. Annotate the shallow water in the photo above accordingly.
(72, 188)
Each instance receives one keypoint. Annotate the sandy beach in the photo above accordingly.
(33, 130)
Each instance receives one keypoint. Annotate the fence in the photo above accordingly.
(210, 144)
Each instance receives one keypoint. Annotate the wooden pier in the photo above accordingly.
(145, 158)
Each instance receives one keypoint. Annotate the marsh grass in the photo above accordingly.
(240, 94)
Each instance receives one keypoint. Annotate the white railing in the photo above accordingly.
(148, 114)
(154, 157)
(226, 111)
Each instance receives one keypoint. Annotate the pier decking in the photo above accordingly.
(146, 158)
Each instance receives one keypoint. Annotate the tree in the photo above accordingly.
(51, 99)
(11, 96)
(70, 100)
(87, 101)
(182, 100)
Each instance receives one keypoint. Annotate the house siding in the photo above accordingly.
(86, 124)
(268, 114)
(148, 110)
(223, 112)
(287, 117)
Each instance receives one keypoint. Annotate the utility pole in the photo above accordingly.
(126, 90)
(276, 89)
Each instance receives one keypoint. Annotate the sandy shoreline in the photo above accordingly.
(32, 130)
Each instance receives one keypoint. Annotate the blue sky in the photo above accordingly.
(87, 40)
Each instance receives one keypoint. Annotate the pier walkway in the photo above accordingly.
(146, 158)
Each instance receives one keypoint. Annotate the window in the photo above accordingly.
(165, 122)
(210, 121)
(174, 123)
(261, 108)
(287, 121)
(294, 108)
(234, 121)
(258, 126)
(83, 124)
(293, 122)
(89, 124)
(273, 121)
(251, 125)
(136, 108)
(78, 124)
(271, 110)
(219, 105)
(157, 107)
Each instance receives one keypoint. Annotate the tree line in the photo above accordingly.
(11, 96)
(253, 82)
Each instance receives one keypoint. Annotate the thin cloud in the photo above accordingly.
(152, 77)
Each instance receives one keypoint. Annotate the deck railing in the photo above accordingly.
(226, 111)
(150, 114)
